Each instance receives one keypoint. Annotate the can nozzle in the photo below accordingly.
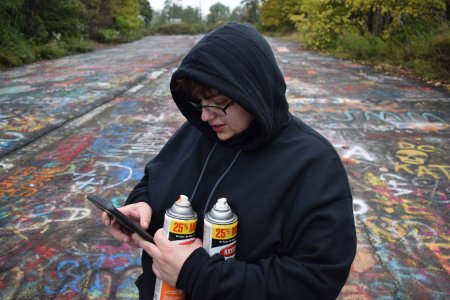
(181, 208)
(183, 200)
(222, 204)
(221, 212)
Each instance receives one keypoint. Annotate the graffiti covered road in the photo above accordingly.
(89, 123)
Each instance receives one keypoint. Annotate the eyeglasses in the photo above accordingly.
(212, 109)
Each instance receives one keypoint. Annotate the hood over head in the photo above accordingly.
(237, 61)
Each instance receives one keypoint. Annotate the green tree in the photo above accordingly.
(387, 17)
(10, 15)
(126, 15)
(15, 49)
(145, 12)
(251, 11)
(99, 17)
(275, 14)
(191, 15)
(218, 14)
(321, 22)
(237, 14)
(43, 21)
(171, 10)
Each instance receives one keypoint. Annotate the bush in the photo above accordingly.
(440, 51)
(50, 50)
(181, 28)
(108, 35)
(361, 46)
(78, 45)
(15, 54)
(130, 35)
(426, 53)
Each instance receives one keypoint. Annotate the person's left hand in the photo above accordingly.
(168, 256)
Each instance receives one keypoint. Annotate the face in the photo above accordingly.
(236, 120)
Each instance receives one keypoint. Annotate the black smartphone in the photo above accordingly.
(129, 225)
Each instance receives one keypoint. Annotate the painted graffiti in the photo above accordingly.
(414, 160)
(102, 116)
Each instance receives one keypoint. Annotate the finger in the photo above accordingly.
(150, 248)
(117, 232)
(143, 212)
(160, 239)
(106, 219)
(145, 217)
(140, 212)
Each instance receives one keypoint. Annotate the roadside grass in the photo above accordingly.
(22, 52)
(16, 50)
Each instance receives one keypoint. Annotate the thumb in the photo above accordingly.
(145, 215)
(144, 224)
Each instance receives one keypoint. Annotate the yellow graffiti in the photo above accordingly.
(439, 251)
(424, 148)
(435, 171)
(373, 180)
(386, 228)
(27, 124)
(416, 208)
(413, 160)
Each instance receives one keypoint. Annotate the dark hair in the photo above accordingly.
(195, 89)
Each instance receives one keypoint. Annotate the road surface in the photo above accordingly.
(89, 123)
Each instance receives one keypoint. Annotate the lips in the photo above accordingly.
(217, 128)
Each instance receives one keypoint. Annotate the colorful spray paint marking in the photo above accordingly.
(391, 133)
(56, 248)
(38, 98)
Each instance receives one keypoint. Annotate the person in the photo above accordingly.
(285, 182)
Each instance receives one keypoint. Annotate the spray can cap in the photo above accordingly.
(182, 209)
(221, 212)
(183, 200)
(222, 204)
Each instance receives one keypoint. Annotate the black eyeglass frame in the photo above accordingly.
(199, 107)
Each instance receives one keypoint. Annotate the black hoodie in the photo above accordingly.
(285, 182)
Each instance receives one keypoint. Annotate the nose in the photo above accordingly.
(206, 115)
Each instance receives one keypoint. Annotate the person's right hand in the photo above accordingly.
(139, 212)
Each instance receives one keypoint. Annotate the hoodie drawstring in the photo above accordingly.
(220, 179)
(202, 173)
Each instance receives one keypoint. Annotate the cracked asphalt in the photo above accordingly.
(89, 123)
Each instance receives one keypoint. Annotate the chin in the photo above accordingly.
(223, 137)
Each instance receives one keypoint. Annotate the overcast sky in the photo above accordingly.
(159, 4)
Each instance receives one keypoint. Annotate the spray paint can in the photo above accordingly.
(220, 230)
(180, 222)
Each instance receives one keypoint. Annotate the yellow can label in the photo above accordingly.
(224, 232)
(220, 238)
(183, 226)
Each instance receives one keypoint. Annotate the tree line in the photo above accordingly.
(32, 30)
(414, 34)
